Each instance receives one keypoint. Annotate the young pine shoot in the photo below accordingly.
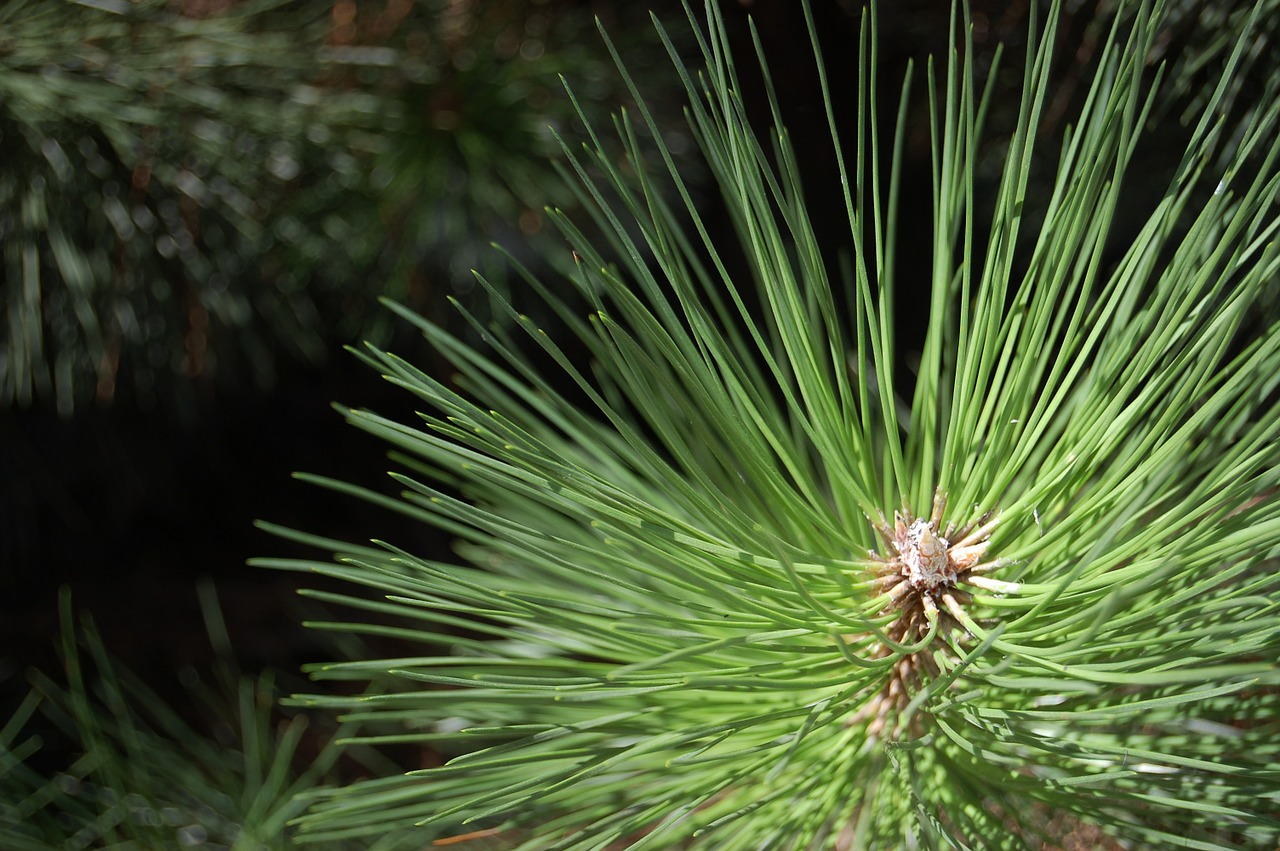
(741, 570)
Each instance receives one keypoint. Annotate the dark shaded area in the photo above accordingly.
(129, 509)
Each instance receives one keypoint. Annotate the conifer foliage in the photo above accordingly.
(193, 193)
(755, 575)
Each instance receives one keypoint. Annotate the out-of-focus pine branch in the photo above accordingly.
(189, 192)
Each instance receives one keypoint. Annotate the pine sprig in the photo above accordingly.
(743, 582)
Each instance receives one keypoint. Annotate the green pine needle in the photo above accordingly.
(739, 577)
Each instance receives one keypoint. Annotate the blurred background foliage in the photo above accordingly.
(191, 191)
(1200, 38)
(232, 775)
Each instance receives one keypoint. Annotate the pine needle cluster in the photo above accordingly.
(741, 570)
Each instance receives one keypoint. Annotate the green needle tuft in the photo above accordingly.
(743, 568)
